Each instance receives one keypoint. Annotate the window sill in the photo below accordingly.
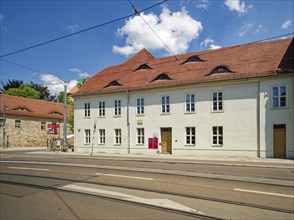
(117, 116)
(140, 115)
(190, 113)
(190, 145)
(277, 108)
(217, 111)
(87, 143)
(102, 116)
(163, 114)
(217, 145)
(142, 145)
(87, 117)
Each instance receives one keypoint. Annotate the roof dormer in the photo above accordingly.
(113, 83)
(193, 59)
(143, 67)
(221, 69)
(162, 76)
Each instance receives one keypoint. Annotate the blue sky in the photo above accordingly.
(184, 26)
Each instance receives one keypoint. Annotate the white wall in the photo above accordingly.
(240, 119)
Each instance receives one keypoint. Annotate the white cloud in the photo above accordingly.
(176, 30)
(287, 24)
(202, 4)
(238, 6)
(72, 28)
(1, 25)
(56, 85)
(1, 17)
(208, 43)
(245, 28)
(80, 72)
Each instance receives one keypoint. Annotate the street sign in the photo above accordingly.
(53, 126)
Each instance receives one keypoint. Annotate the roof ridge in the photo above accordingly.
(143, 56)
(38, 100)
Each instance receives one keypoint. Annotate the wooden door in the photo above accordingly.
(166, 140)
(280, 141)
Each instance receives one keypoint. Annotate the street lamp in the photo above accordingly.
(64, 117)
(5, 108)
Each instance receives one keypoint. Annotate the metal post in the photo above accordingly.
(64, 118)
(4, 122)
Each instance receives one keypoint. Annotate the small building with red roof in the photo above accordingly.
(232, 101)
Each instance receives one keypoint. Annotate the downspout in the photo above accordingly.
(258, 120)
(128, 120)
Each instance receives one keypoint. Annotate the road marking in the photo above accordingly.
(266, 193)
(130, 177)
(165, 203)
(27, 168)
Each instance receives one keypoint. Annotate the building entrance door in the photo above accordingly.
(280, 141)
(166, 140)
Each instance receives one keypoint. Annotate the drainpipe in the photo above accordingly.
(128, 120)
(258, 120)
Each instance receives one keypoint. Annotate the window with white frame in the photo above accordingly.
(117, 136)
(17, 123)
(190, 103)
(279, 96)
(101, 136)
(117, 107)
(190, 135)
(2, 122)
(165, 104)
(101, 109)
(217, 135)
(43, 125)
(87, 139)
(140, 106)
(140, 135)
(87, 109)
(217, 101)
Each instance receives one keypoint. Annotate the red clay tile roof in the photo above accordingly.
(73, 90)
(32, 107)
(245, 61)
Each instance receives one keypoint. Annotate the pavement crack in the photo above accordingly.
(64, 202)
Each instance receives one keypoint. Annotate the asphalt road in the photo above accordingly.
(40, 186)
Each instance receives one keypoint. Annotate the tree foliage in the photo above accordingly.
(10, 84)
(45, 93)
(24, 90)
(82, 82)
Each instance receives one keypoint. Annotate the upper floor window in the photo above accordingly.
(143, 67)
(165, 104)
(117, 107)
(193, 59)
(140, 106)
(87, 139)
(87, 109)
(190, 103)
(101, 109)
(17, 123)
(217, 101)
(217, 135)
(190, 136)
(279, 96)
(162, 76)
(140, 135)
(221, 69)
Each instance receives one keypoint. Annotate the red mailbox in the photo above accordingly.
(153, 143)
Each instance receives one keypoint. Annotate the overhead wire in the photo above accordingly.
(81, 31)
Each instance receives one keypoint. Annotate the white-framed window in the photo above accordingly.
(87, 139)
(140, 106)
(190, 103)
(117, 136)
(140, 136)
(217, 135)
(279, 96)
(101, 109)
(87, 110)
(43, 125)
(190, 135)
(2, 122)
(101, 136)
(17, 123)
(217, 101)
(117, 107)
(165, 104)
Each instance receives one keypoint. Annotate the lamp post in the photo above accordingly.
(64, 117)
(5, 108)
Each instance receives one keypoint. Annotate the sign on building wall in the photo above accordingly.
(153, 143)
(52, 128)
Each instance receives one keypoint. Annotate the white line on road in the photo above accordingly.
(266, 193)
(27, 168)
(130, 177)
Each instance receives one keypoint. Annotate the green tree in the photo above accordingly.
(11, 84)
(82, 82)
(24, 90)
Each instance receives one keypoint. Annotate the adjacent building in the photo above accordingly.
(233, 101)
(28, 122)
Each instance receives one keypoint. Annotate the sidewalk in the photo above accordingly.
(167, 158)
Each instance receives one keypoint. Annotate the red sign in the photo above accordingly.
(153, 143)
(53, 126)
(52, 131)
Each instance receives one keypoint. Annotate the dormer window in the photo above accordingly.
(113, 83)
(193, 59)
(55, 113)
(22, 109)
(221, 69)
(162, 76)
(143, 67)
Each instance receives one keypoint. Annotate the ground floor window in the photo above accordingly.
(117, 138)
(190, 136)
(17, 124)
(140, 135)
(101, 136)
(43, 125)
(217, 135)
(87, 136)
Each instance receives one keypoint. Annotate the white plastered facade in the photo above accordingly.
(247, 119)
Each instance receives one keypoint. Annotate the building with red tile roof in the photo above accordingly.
(230, 101)
(26, 120)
